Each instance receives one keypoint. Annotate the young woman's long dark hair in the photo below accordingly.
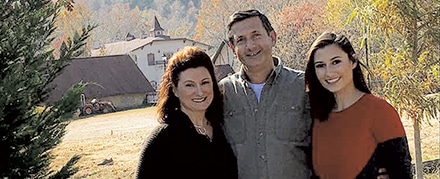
(322, 101)
(188, 57)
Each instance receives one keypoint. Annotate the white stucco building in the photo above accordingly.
(150, 53)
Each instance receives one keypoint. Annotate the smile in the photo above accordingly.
(329, 81)
(253, 54)
(199, 100)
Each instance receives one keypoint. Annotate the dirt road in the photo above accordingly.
(111, 123)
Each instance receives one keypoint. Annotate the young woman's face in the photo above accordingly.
(194, 89)
(333, 68)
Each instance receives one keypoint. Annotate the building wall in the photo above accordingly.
(125, 101)
(159, 48)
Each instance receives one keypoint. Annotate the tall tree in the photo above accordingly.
(27, 67)
(408, 57)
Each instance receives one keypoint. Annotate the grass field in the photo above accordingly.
(120, 136)
(115, 135)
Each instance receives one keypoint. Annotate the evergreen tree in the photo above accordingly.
(27, 68)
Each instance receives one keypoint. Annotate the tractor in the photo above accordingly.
(95, 106)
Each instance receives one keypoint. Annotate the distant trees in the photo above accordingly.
(181, 21)
(69, 22)
(298, 27)
(214, 15)
(212, 20)
(116, 21)
(117, 18)
(296, 24)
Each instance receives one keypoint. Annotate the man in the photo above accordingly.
(267, 118)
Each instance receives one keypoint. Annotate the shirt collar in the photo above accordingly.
(272, 76)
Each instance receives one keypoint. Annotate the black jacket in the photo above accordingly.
(176, 150)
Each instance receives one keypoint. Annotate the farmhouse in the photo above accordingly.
(115, 78)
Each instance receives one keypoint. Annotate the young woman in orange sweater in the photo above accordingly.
(354, 133)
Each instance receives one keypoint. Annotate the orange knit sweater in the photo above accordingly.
(344, 143)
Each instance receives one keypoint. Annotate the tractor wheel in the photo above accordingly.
(88, 110)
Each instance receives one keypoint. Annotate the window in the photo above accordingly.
(150, 58)
(154, 84)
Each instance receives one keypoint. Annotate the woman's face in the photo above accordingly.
(333, 68)
(194, 89)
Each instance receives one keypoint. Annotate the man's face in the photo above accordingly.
(252, 44)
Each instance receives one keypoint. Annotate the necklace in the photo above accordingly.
(202, 130)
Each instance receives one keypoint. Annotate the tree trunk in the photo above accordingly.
(418, 150)
(414, 58)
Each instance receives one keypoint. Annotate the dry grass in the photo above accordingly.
(115, 135)
(120, 136)
(430, 138)
(430, 141)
